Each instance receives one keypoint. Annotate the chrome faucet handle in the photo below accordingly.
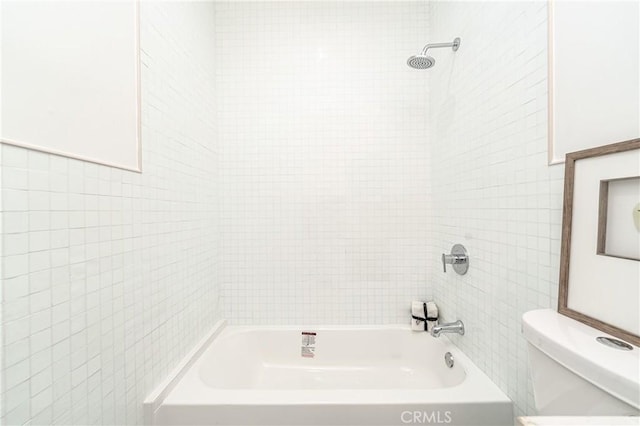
(459, 259)
(451, 259)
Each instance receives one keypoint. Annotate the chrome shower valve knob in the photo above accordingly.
(459, 259)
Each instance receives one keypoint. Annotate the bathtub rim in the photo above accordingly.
(156, 397)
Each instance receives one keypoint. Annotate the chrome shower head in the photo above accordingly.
(423, 61)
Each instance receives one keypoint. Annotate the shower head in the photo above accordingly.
(423, 61)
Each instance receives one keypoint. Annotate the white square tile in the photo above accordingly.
(313, 180)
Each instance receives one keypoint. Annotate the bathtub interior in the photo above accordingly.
(354, 359)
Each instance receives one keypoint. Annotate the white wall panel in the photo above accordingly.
(70, 82)
(594, 74)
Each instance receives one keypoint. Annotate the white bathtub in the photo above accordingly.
(357, 376)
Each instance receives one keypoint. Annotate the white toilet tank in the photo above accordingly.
(573, 374)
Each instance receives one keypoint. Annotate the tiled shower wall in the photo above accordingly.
(340, 177)
(325, 161)
(492, 187)
(109, 276)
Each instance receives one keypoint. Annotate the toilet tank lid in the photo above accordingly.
(573, 345)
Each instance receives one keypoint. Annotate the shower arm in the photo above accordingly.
(454, 45)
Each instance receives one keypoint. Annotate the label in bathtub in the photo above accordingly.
(308, 345)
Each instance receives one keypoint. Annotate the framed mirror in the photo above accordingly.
(600, 254)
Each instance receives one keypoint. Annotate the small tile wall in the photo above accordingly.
(325, 161)
(296, 171)
(492, 187)
(109, 277)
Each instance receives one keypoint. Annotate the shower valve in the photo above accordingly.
(459, 259)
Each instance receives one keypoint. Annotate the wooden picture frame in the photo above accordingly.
(566, 253)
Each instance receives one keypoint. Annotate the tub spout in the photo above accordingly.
(453, 327)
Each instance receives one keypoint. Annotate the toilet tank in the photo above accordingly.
(574, 374)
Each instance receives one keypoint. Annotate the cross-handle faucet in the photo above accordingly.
(453, 327)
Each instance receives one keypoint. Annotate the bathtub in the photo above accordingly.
(384, 375)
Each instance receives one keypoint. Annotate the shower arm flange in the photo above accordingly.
(454, 45)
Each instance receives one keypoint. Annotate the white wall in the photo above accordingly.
(491, 185)
(69, 73)
(109, 276)
(596, 65)
(325, 162)
(316, 180)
